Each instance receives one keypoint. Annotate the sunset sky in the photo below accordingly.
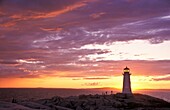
(84, 43)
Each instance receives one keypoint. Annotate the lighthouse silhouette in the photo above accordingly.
(126, 81)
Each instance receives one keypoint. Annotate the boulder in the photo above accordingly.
(13, 106)
(79, 108)
(91, 102)
(33, 105)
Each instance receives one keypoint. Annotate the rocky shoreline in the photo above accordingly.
(90, 102)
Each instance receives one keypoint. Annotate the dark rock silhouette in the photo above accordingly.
(117, 101)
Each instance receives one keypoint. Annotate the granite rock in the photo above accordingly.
(91, 102)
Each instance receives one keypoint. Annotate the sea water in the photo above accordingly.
(7, 94)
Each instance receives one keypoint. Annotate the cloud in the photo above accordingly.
(96, 78)
(92, 84)
(97, 15)
(91, 78)
(76, 79)
(56, 13)
(9, 62)
(38, 13)
(52, 29)
(163, 78)
(53, 32)
(8, 24)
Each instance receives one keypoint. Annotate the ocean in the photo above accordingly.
(7, 94)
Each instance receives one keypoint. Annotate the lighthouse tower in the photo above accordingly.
(126, 81)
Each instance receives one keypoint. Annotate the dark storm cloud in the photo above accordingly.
(53, 32)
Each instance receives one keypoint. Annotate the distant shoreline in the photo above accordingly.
(76, 88)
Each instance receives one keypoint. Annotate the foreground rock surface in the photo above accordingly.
(91, 102)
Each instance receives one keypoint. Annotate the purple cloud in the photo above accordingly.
(53, 32)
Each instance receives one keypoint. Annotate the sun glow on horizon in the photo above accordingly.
(84, 44)
(137, 83)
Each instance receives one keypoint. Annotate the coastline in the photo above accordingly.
(116, 101)
(38, 93)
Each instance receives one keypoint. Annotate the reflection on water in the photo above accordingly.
(163, 94)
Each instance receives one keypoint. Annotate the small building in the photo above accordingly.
(126, 81)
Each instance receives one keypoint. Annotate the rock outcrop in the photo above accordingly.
(91, 102)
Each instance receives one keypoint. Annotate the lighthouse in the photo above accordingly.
(126, 81)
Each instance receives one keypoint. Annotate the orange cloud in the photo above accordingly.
(96, 78)
(16, 16)
(55, 12)
(52, 29)
(59, 12)
(92, 84)
(42, 15)
(8, 24)
(97, 15)
(163, 78)
(2, 13)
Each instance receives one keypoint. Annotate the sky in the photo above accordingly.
(84, 43)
